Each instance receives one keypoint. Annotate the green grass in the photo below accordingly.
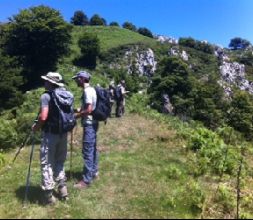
(109, 37)
(133, 177)
(112, 37)
(144, 173)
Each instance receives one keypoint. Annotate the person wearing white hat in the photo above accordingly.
(53, 151)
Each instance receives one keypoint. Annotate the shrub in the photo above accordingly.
(212, 154)
(90, 49)
(8, 134)
(2, 160)
(137, 103)
(195, 196)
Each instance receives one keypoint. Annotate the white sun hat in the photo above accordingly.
(54, 78)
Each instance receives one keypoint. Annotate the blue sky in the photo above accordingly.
(217, 21)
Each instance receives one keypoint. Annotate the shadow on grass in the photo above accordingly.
(35, 195)
(73, 175)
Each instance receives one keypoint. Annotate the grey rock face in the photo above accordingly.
(234, 74)
(164, 39)
(144, 61)
(174, 51)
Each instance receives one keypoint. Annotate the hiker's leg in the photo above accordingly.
(60, 158)
(88, 152)
(118, 109)
(47, 152)
(95, 153)
(123, 107)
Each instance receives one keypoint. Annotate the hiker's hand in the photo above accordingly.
(35, 127)
(77, 110)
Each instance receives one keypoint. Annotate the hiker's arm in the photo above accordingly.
(41, 119)
(84, 112)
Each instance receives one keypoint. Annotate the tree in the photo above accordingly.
(114, 24)
(90, 49)
(129, 26)
(79, 18)
(96, 20)
(172, 78)
(38, 37)
(196, 44)
(241, 113)
(10, 82)
(146, 32)
(239, 43)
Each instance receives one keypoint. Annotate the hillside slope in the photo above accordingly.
(145, 172)
(134, 182)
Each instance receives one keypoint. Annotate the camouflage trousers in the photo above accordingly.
(53, 153)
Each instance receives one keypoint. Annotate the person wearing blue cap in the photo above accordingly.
(90, 128)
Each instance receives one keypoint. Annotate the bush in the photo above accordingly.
(226, 198)
(137, 103)
(2, 160)
(195, 196)
(211, 153)
(8, 134)
(90, 49)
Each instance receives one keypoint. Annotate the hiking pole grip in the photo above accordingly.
(29, 171)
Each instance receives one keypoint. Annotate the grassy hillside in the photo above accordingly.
(151, 165)
(110, 37)
(146, 171)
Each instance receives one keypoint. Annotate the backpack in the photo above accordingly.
(103, 108)
(64, 101)
(118, 94)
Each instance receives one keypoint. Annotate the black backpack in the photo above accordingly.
(64, 101)
(103, 107)
(118, 94)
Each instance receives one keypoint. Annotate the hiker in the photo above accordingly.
(53, 151)
(90, 128)
(112, 91)
(120, 93)
(167, 106)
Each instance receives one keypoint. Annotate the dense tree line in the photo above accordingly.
(81, 19)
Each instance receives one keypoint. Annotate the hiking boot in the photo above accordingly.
(63, 192)
(49, 198)
(81, 185)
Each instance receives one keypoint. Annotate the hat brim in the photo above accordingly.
(51, 81)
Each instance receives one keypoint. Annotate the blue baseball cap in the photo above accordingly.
(82, 74)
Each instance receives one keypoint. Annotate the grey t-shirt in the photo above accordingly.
(44, 100)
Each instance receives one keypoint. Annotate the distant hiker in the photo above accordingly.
(120, 93)
(112, 91)
(90, 128)
(53, 151)
(167, 106)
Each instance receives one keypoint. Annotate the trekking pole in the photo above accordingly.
(71, 151)
(21, 146)
(29, 172)
(238, 189)
(25, 141)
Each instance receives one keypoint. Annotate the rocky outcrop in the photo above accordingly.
(174, 51)
(164, 39)
(137, 60)
(234, 74)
